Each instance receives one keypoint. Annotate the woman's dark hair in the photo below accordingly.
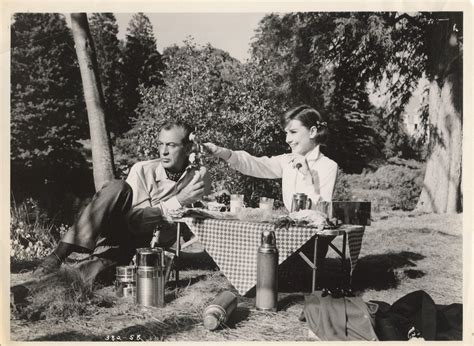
(309, 117)
(181, 124)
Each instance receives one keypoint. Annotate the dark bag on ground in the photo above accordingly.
(417, 314)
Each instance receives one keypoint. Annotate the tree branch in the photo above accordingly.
(408, 18)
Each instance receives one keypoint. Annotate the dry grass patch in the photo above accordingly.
(422, 251)
(60, 295)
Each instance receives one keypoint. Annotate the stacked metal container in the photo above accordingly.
(125, 281)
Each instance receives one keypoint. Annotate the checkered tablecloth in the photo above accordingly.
(233, 245)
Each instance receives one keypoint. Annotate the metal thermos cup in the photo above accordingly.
(150, 277)
(267, 273)
(125, 281)
(219, 310)
(300, 201)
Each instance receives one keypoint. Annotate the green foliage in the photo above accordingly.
(45, 92)
(394, 185)
(226, 101)
(32, 235)
(104, 30)
(342, 189)
(47, 106)
(142, 61)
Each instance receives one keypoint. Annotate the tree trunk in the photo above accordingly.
(442, 191)
(102, 158)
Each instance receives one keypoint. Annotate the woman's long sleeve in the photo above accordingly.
(259, 167)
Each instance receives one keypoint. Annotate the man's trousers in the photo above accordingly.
(108, 226)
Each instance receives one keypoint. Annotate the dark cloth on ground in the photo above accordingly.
(418, 310)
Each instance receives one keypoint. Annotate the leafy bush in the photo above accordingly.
(406, 195)
(342, 189)
(396, 185)
(32, 235)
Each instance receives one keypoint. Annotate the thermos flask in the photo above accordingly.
(219, 310)
(150, 277)
(267, 273)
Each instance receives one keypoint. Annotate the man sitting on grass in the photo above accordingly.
(123, 215)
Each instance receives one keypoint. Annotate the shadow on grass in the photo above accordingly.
(289, 300)
(19, 293)
(378, 271)
(241, 313)
(18, 267)
(196, 260)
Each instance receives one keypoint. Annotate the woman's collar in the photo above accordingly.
(313, 155)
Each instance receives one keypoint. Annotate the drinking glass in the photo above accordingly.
(266, 203)
(236, 203)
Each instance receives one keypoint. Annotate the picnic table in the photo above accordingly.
(233, 245)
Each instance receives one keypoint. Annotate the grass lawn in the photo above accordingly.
(401, 253)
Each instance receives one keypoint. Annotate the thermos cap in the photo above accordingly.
(211, 322)
(150, 257)
(268, 242)
(268, 238)
(213, 316)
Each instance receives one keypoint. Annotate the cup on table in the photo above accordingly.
(236, 203)
(266, 203)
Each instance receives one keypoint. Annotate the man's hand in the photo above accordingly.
(193, 191)
(216, 151)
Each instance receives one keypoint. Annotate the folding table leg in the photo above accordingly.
(312, 264)
(315, 266)
(178, 249)
(344, 240)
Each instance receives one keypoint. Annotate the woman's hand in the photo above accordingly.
(299, 162)
(214, 150)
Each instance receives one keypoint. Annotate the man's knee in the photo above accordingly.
(117, 186)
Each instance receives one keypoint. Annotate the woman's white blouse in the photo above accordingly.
(323, 172)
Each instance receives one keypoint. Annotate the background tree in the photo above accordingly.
(47, 110)
(329, 61)
(142, 61)
(314, 59)
(102, 158)
(442, 187)
(104, 30)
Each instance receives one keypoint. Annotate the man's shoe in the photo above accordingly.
(97, 269)
(48, 265)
